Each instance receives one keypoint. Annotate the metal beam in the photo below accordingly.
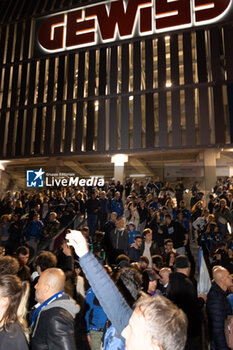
(141, 168)
(78, 168)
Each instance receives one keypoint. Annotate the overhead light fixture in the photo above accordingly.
(168, 84)
(119, 159)
(137, 175)
(2, 162)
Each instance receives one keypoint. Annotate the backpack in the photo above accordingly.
(228, 328)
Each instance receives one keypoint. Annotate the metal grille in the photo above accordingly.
(158, 93)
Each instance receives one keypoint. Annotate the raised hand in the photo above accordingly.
(78, 241)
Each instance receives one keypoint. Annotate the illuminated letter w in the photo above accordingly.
(125, 19)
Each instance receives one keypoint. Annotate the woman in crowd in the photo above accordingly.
(150, 278)
(13, 300)
(223, 216)
(170, 261)
(19, 208)
(143, 214)
(200, 225)
(197, 210)
(211, 235)
(79, 199)
(170, 207)
(132, 214)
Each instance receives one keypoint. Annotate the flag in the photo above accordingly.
(204, 282)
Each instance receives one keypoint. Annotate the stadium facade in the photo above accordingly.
(82, 80)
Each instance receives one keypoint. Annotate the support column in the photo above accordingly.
(119, 160)
(1, 185)
(4, 179)
(209, 160)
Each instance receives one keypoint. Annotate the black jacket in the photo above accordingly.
(54, 326)
(154, 226)
(134, 254)
(92, 206)
(119, 240)
(180, 290)
(117, 244)
(175, 231)
(13, 339)
(218, 307)
(143, 213)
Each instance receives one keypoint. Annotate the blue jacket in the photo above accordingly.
(117, 206)
(95, 316)
(113, 303)
(112, 340)
(218, 308)
(34, 230)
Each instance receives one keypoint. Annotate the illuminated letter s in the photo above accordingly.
(51, 33)
(210, 9)
(172, 13)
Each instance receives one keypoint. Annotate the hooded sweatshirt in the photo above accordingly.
(132, 234)
(54, 326)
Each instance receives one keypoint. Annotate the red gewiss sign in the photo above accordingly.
(119, 20)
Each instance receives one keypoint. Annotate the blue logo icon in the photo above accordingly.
(35, 178)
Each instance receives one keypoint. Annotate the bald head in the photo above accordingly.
(219, 273)
(51, 281)
(166, 270)
(55, 278)
(222, 277)
(164, 275)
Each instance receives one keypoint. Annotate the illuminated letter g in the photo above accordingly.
(51, 33)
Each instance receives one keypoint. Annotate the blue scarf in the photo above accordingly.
(41, 306)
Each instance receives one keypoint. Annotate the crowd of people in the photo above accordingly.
(130, 271)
